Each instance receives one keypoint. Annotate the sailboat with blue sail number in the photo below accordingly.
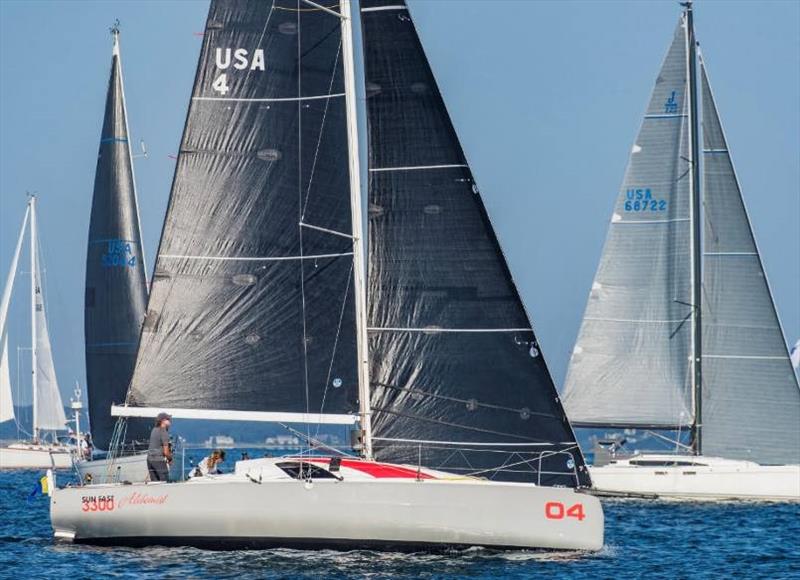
(681, 334)
(259, 311)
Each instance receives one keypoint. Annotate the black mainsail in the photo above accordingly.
(252, 302)
(116, 283)
(457, 375)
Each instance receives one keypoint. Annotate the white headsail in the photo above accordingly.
(631, 363)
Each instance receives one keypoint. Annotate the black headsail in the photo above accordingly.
(251, 306)
(453, 357)
(116, 283)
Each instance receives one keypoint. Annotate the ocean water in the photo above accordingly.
(643, 539)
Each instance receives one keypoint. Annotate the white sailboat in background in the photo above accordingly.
(681, 333)
(42, 451)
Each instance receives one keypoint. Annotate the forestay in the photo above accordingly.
(751, 398)
(631, 363)
(458, 379)
(116, 283)
(251, 305)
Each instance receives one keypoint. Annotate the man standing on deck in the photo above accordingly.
(159, 454)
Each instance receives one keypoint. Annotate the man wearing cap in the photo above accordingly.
(159, 455)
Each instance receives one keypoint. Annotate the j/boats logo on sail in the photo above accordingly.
(671, 104)
(239, 59)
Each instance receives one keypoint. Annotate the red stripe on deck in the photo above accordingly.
(377, 470)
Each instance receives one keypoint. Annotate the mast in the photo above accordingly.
(34, 291)
(694, 195)
(116, 52)
(358, 237)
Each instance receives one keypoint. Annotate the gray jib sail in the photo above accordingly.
(116, 283)
(631, 362)
(453, 356)
(750, 396)
(249, 310)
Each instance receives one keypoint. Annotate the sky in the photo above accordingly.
(546, 96)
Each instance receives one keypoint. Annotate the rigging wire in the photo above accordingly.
(335, 345)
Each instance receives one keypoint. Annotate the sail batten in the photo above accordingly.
(452, 352)
(750, 390)
(632, 360)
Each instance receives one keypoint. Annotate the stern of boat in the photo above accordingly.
(59, 532)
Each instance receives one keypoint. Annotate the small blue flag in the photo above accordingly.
(40, 487)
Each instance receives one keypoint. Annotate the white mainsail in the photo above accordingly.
(50, 409)
(6, 400)
(631, 363)
(750, 397)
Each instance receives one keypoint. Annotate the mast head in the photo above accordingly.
(114, 30)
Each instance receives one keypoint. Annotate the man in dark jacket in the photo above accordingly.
(159, 454)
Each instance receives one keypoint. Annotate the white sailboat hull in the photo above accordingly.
(396, 513)
(704, 478)
(33, 456)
